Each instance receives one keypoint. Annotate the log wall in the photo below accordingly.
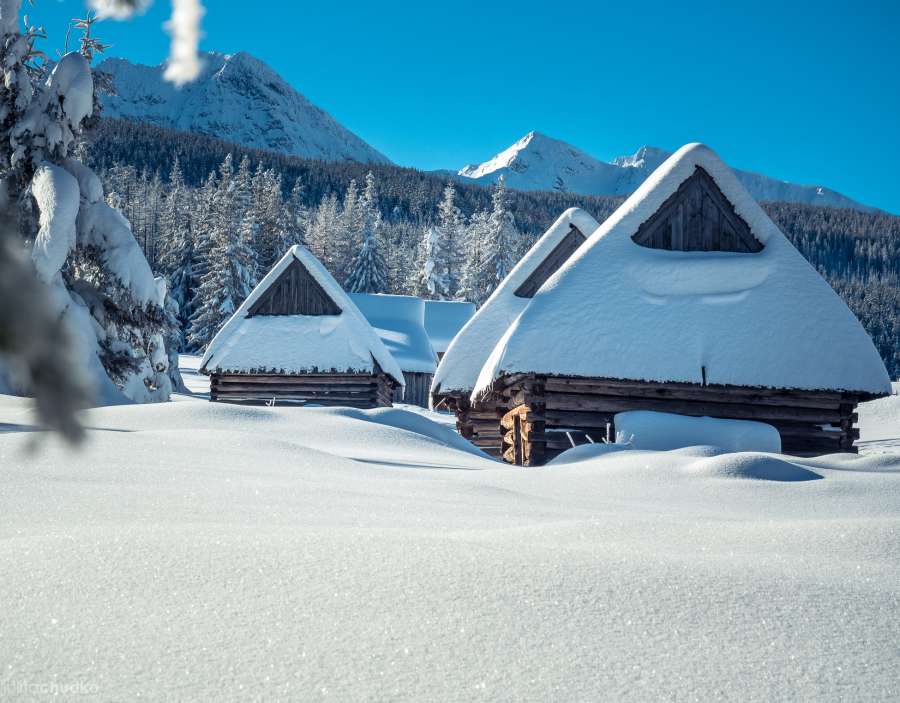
(417, 388)
(479, 423)
(544, 416)
(351, 390)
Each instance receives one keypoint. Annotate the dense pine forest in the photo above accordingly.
(212, 217)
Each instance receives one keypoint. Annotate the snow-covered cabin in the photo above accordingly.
(443, 321)
(458, 371)
(687, 300)
(298, 338)
(400, 322)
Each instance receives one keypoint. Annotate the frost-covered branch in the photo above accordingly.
(36, 345)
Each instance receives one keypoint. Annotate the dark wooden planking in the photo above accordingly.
(295, 292)
(360, 391)
(541, 410)
(417, 388)
(697, 217)
(552, 262)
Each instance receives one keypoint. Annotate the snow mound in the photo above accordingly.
(587, 452)
(751, 466)
(302, 554)
(660, 431)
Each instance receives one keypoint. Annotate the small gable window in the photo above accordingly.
(697, 217)
(295, 292)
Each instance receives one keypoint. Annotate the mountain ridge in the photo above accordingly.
(539, 162)
(237, 97)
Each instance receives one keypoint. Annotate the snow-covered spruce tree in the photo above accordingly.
(295, 217)
(348, 236)
(369, 273)
(228, 263)
(474, 283)
(450, 254)
(501, 239)
(323, 222)
(82, 249)
(177, 254)
(431, 281)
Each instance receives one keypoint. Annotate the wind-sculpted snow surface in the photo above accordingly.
(204, 551)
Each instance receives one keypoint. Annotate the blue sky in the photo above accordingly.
(807, 92)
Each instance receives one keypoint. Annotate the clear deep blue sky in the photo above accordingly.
(807, 92)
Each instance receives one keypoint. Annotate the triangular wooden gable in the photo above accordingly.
(294, 292)
(697, 217)
(552, 263)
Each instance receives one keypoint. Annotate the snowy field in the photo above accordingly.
(198, 551)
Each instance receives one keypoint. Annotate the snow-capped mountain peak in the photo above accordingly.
(237, 98)
(539, 162)
(646, 157)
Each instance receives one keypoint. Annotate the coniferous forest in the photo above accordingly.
(213, 217)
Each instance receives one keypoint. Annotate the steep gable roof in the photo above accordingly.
(267, 335)
(459, 368)
(620, 310)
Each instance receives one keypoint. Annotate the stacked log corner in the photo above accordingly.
(351, 390)
(544, 415)
(477, 422)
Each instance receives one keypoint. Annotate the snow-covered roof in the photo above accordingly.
(620, 310)
(467, 353)
(297, 344)
(400, 322)
(444, 319)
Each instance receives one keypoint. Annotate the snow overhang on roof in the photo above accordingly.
(620, 310)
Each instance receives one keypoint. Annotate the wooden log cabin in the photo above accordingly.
(399, 320)
(298, 339)
(687, 300)
(458, 370)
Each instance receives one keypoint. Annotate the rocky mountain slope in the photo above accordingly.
(238, 99)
